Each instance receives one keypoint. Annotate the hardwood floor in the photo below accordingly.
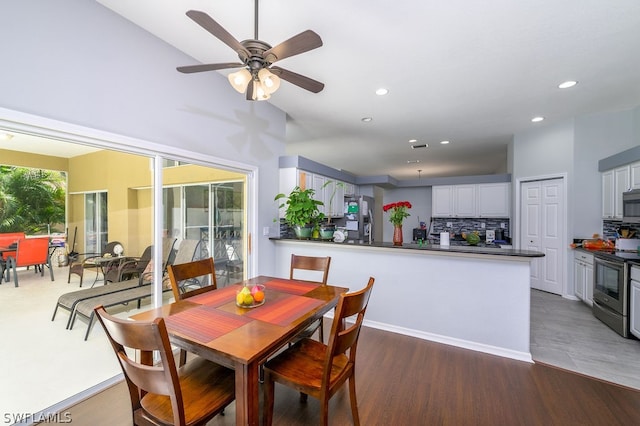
(409, 381)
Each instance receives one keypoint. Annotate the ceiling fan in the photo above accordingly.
(258, 77)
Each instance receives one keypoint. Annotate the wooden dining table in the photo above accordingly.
(212, 326)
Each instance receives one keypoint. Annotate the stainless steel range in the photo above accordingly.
(611, 289)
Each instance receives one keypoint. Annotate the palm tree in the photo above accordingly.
(31, 200)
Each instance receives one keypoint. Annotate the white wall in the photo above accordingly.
(420, 199)
(575, 147)
(77, 62)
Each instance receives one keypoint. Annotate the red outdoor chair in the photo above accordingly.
(31, 252)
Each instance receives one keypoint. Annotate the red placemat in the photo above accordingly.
(291, 287)
(216, 297)
(204, 323)
(284, 311)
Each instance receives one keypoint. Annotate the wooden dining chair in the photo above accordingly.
(200, 274)
(163, 394)
(319, 370)
(319, 265)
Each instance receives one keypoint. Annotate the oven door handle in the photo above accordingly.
(609, 263)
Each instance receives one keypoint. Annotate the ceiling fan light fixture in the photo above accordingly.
(240, 80)
(258, 91)
(270, 82)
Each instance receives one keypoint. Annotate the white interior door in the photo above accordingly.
(542, 229)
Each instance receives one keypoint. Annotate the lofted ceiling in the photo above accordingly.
(470, 72)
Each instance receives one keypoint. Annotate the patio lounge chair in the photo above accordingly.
(69, 300)
(187, 251)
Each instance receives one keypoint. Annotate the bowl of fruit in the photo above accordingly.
(250, 296)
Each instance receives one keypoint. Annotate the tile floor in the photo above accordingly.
(42, 363)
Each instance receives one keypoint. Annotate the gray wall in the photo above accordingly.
(574, 147)
(77, 62)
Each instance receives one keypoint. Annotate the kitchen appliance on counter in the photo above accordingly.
(490, 236)
(627, 244)
(631, 206)
(419, 234)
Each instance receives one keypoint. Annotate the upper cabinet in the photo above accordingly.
(614, 183)
(493, 200)
(330, 191)
(635, 175)
(477, 200)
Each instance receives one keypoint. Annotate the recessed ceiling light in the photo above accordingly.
(382, 91)
(444, 142)
(413, 140)
(537, 119)
(6, 136)
(367, 119)
(567, 84)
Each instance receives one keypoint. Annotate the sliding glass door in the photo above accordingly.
(96, 222)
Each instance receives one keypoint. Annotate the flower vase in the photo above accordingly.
(397, 235)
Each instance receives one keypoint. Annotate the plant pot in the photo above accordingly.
(327, 230)
(303, 232)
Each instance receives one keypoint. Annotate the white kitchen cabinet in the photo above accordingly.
(583, 276)
(349, 189)
(635, 175)
(493, 199)
(319, 192)
(442, 201)
(464, 200)
(621, 177)
(473, 200)
(607, 194)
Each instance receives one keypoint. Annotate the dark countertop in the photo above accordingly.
(627, 256)
(489, 250)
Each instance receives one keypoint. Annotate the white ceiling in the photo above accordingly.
(471, 72)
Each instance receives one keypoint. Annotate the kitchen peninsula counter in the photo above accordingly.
(472, 297)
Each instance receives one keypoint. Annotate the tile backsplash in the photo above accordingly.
(609, 228)
(460, 224)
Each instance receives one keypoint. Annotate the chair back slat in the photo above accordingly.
(198, 273)
(310, 263)
(344, 336)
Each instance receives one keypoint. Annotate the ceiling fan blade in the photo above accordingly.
(303, 42)
(208, 67)
(207, 22)
(297, 79)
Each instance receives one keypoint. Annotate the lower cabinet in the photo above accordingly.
(635, 301)
(583, 276)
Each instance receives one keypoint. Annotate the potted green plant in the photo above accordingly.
(302, 211)
(327, 229)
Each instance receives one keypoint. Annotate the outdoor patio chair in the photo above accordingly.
(31, 252)
(86, 261)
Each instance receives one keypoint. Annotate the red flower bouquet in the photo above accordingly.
(398, 211)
